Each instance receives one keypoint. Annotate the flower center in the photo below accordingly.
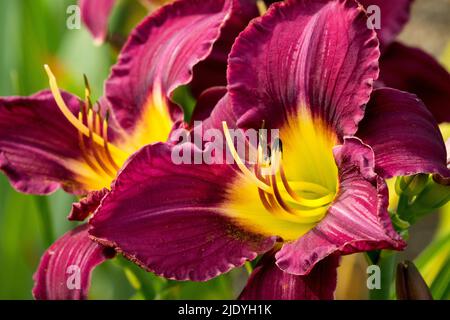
(294, 184)
(307, 201)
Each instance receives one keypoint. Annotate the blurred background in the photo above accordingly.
(34, 33)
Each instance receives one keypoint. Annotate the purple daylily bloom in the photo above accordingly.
(307, 68)
(54, 140)
(406, 68)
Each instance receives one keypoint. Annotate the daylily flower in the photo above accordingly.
(53, 139)
(307, 68)
(406, 68)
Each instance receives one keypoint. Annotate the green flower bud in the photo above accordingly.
(434, 196)
(411, 185)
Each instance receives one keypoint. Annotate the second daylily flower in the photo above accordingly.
(53, 139)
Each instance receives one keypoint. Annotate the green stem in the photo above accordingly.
(46, 219)
(386, 262)
(403, 202)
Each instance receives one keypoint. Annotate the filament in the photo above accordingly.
(297, 208)
(79, 125)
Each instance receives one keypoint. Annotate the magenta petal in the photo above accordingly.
(314, 54)
(206, 103)
(167, 218)
(413, 70)
(82, 209)
(95, 15)
(36, 141)
(403, 134)
(357, 221)
(161, 54)
(64, 272)
(212, 71)
(268, 282)
(394, 16)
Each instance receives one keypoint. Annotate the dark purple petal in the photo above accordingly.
(82, 209)
(160, 55)
(206, 103)
(403, 135)
(357, 221)
(95, 15)
(167, 218)
(212, 71)
(318, 55)
(394, 16)
(413, 70)
(64, 272)
(37, 143)
(268, 282)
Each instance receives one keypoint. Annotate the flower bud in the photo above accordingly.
(409, 283)
(434, 196)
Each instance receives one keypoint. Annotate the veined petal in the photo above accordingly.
(393, 14)
(95, 15)
(358, 219)
(64, 272)
(167, 218)
(317, 55)
(413, 70)
(39, 148)
(160, 56)
(403, 135)
(268, 282)
(212, 71)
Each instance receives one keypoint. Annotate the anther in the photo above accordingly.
(79, 125)
(92, 116)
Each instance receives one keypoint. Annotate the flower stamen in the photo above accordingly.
(105, 144)
(82, 144)
(92, 116)
(266, 174)
(263, 186)
(79, 125)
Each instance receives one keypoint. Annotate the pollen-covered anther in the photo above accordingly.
(97, 151)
